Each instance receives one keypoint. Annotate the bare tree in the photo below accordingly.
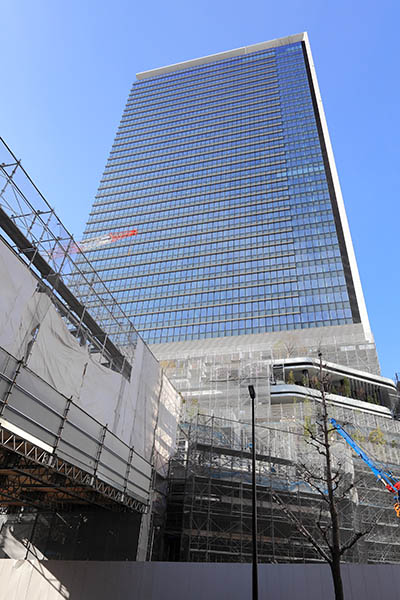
(332, 486)
(287, 347)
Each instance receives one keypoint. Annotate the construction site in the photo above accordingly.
(209, 499)
(112, 451)
(87, 419)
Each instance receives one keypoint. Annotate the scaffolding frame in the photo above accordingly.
(53, 447)
(209, 503)
(49, 475)
(35, 478)
(34, 230)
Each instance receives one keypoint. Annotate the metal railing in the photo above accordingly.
(39, 423)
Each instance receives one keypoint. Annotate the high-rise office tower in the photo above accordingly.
(224, 167)
(242, 271)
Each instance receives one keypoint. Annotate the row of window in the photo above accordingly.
(201, 267)
(247, 287)
(154, 320)
(285, 54)
(141, 90)
(225, 239)
(180, 102)
(194, 255)
(205, 213)
(213, 296)
(169, 202)
(326, 316)
(260, 257)
(221, 275)
(199, 91)
(269, 132)
(202, 134)
(259, 271)
(227, 123)
(279, 239)
(193, 163)
(228, 306)
(165, 210)
(209, 68)
(248, 326)
(219, 330)
(255, 219)
(216, 145)
(189, 165)
(206, 302)
(211, 191)
(238, 116)
(236, 274)
(219, 150)
(159, 98)
(253, 157)
(176, 161)
(192, 116)
(296, 85)
(195, 175)
(281, 235)
(205, 107)
(242, 108)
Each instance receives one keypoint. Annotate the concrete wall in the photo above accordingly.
(59, 580)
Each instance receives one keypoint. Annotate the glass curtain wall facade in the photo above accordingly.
(221, 166)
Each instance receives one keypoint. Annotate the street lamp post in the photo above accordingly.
(254, 494)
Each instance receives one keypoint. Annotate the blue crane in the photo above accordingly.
(391, 483)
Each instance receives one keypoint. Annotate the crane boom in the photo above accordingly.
(392, 484)
(379, 473)
(93, 243)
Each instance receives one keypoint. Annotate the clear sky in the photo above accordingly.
(67, 68)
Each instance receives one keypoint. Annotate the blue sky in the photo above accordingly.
(68, 67)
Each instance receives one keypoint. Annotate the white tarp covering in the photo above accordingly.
(35, 312)
(147, 403)
(17, 301)
(168, 417)
(128, 406)
(142, 412)
(135, 410)
(101, 389)
(57, 356)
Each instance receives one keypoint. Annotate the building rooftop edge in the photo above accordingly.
(187, 64)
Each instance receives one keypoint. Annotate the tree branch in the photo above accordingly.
(358, 535)
(302, 529)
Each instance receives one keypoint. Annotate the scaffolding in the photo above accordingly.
(209, 502)
(34, 230)
(87, 416)
(353, 351)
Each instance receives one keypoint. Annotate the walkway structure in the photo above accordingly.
(86, 418)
